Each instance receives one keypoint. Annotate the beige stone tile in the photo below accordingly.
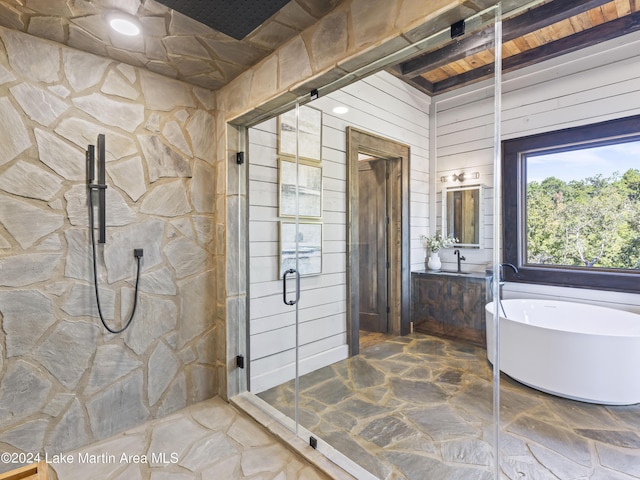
(293, 63)
(328, 40)
(265, 80)
(208, 440)
(373, 20)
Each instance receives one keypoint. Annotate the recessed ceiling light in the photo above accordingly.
(340, 110)
(124, 23)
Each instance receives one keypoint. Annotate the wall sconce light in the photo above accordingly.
(460, 177)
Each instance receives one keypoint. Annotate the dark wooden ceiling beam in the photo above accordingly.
(545, 15)
(465, 47)
(577, 41)
(586, 38)
(418, 82)
(424, 85)
(515, 27)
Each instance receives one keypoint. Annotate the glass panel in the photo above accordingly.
(296, 320)
(274, 241)
(464, 186)
(428, 400)
(567, 399)
(355, 305)
(492, 310)
(395, 402)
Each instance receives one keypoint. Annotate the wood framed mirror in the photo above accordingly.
(462, 214)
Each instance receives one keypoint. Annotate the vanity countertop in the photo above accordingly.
(453, 273)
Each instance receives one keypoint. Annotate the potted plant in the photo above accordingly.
(432, 245)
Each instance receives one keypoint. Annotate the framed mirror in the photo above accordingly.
(462, 214)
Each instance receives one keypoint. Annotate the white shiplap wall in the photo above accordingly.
(380, 104)
(596, 84)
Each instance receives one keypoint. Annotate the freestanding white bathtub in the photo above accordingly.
(578, 351)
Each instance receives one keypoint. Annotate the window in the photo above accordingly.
(571, 206)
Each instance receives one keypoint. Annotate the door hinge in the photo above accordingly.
(388, 265)
(387, 220)
(240, 158)
(240, 361)
(388, 309)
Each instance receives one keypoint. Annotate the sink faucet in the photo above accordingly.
(456, 252)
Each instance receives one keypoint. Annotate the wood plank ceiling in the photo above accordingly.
(550, 30)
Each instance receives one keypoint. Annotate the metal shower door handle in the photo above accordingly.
(284, 287)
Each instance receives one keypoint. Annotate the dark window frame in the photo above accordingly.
(513, 197)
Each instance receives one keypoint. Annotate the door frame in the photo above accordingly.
(397, 154)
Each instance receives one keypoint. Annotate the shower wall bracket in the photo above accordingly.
(101, 186)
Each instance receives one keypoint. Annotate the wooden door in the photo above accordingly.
(373, 266)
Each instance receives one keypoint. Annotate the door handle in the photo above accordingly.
(284, 287)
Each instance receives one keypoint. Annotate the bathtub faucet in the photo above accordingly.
(510, 265)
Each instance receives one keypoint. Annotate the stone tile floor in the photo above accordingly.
(210, 440)
(369, 339)
(419, 407)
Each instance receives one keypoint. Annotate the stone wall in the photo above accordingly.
(66, 382)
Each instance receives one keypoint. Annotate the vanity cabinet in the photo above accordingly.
(450, 304)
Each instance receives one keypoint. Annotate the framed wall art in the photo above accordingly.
(309, 236)
(309, 198)
(309, 133)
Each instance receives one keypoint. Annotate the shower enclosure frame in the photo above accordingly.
(237, 216)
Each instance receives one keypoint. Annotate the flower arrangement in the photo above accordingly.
(435, 242)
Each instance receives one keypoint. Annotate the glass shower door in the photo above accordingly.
(415, 402)
(301, 263)
(285, 251)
